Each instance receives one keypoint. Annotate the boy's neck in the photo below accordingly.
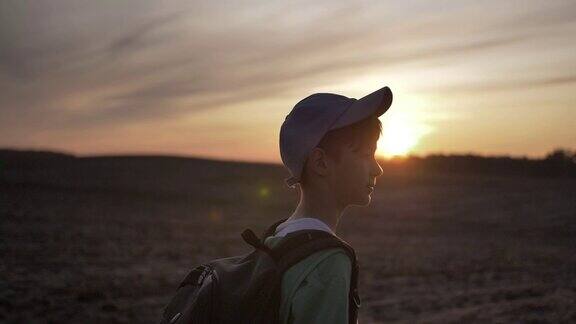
(318, 206)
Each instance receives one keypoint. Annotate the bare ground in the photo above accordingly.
(432, 248)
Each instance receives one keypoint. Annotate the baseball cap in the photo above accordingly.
(314, 116)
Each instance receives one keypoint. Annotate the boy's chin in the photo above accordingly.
(363, 201)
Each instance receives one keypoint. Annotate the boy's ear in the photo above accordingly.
(319, 162)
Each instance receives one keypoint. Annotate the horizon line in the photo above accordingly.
(279, 162)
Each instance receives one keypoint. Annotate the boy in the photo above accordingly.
(328, 143)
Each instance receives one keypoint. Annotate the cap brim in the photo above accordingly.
(376, 103)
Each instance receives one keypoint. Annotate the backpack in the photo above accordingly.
(246, 289)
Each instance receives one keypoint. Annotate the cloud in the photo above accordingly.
(139, 36)
(503, 85)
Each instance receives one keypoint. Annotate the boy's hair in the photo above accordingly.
(358, 136)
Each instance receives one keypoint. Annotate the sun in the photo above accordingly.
(397, 140)
(401, 133)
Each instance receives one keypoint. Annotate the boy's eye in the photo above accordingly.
(369, 153)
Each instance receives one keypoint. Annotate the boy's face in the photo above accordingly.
(355, 175)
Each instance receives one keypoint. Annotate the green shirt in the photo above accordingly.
(316, 289)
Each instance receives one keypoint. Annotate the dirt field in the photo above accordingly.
(89, 247)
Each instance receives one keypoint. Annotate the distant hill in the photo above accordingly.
(131, 173)
(179, 175)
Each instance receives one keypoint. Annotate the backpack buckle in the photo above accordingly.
(175, 318)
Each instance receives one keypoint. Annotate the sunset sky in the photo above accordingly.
(216, 78)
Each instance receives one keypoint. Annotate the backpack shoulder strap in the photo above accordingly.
(300, 244)
(302, 241)
(272, 229)
(258, 243)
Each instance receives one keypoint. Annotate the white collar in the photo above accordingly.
(302, 224)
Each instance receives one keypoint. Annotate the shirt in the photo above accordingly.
(315, 290)
(300, 224)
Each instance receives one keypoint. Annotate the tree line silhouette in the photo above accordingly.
(558, 163)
